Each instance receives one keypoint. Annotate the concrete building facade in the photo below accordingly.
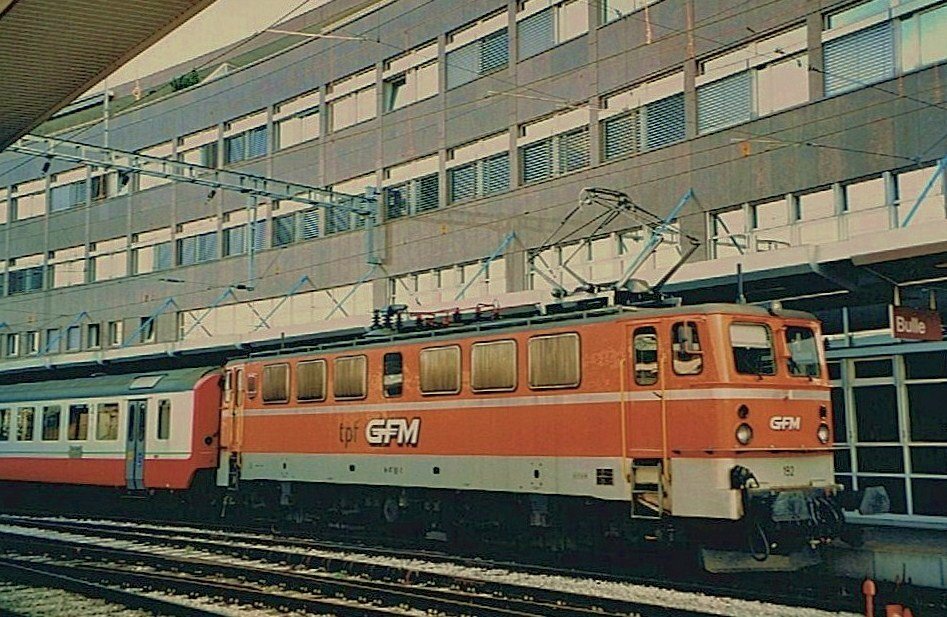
(809, 139)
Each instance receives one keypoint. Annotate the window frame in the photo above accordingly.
(529, 360)
(325, 380)
(473, 364)
(268, 368)
(427, 351)
(772, 347)
(640, 330)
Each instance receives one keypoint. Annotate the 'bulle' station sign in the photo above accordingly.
(914, 324)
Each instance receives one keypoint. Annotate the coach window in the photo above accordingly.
(493, 366)
(51, 416)
(251, 385)
(24, 424)
(106, 422)
(78, 422)
(440, 370)
(646, 356)
(554, 361)
(275, 383)
(688, 356)
(752, 349)
(349, 378)
(393, 378)
(311, 381)
(5, 419)
(803, 352)
(164, 419)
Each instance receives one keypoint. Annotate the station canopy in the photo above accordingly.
(52, 51)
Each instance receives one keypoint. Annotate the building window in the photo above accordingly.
(866, 208)
(728, 233)
(115, 333)
(93, 336)
(25, 280)
(816, 218)
(199, 148)
(616, 9)
(65, 196)
(108, 259)
(197, 249)
(245, 138)
(13, 345)
(31, 342)
(67, 267)
(28, 199)
(542, 29)
(552, 155)
(771, 229)
(412, 188)
(477, 50)
(645, 117)
(52, 344)
(761, 78)
(297, 120)
(922, 38)
(481, 178)
(858, 59)
(146, 330)
(410, 78)
(235, 238)
(158, 151)
(909, 187)
(73, 338)
(352, 100)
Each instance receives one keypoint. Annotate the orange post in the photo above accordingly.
(869, 591)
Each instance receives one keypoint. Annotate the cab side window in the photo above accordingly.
(688, 358)
(646, 356)
(393, 378)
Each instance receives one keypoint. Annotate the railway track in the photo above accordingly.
(247, 567)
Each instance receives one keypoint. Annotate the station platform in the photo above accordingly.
(896, 555)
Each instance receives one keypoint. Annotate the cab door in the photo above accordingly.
(644, 390)
(135, 445)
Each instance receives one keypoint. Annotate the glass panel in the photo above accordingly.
(663, 122)
(803, 352)
(910, 185)
(393, 378)
(164, 419)
(932, 460)
(881, 460)
(463, 182)
(51, 417)
(835, 370)
(275, 383)
(574, 150)
(922, 38)
(440, 370)
(782, 85)
(687, 356)
(493, 366)
(646, 356)
(926, 411)
(554, 361)
(859, 59)
(6, 419)
(856, 13)
(78, 422)
(724, 102)
(621, 134)
(842, 458)
(929, 496)
(930, 365)
(752, 349)
(25, 424)
(311, 381)
(895, 488)
(839, 419)
(427, 193)
(537, 161)
(876, 413)
(873, 368)
(106, 422)
(496, 174)
(536, 33)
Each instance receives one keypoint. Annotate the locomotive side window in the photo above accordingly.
(493, 366)
(78, 423)
(228, 387)
(24, 423)
(554, 361)
(440, 370)
(803, 352)
(276, 383)
(51, 417)
(251, 385)
(350, 375)
(646, 356)
(106, 422)
(6, 416)
(393, 378)
(311, 381)
(688, 356)
(752, 349)
(164, 419)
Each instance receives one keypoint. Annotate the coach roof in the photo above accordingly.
(131, 384)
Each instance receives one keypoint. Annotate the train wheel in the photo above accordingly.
(391, 510)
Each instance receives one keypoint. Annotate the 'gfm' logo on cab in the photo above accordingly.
(785, 423)
(382, 431)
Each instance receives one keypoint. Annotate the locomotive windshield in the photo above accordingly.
(803, 353)
(752, 349)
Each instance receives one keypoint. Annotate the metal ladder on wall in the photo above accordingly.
(647, 488)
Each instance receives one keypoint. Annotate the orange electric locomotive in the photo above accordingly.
(709, 422)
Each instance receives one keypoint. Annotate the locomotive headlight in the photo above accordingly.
(823, 433)
(744, 434)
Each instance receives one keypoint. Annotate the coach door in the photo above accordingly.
(135, 445)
